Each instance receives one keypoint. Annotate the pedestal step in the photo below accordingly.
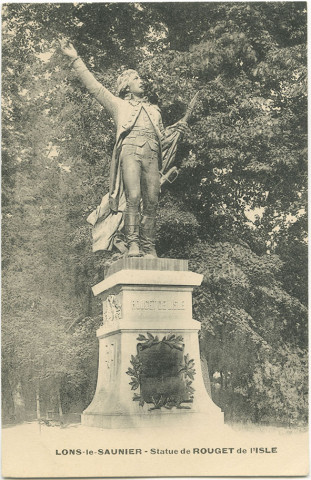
(158, 419)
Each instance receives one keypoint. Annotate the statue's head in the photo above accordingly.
(130, 82)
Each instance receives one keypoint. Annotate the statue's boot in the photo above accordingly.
(131, 226)
(147, 236)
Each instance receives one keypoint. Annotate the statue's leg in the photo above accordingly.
(150, 187)
(131, 172)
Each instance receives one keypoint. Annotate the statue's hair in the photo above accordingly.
(122, 81)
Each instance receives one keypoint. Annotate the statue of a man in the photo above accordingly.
(137, 154)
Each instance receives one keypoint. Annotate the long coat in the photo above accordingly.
(124, 114)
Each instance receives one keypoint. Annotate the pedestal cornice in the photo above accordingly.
(149, 277)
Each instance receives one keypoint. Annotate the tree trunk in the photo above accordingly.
(19, 403)
(221, 380)
(205, 373)
(89, 301)
(60, 410)
(38, 400)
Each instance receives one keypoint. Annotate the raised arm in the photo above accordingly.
(101, 93)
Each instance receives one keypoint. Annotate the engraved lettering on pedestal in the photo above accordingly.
(112, 310)
(158, 305)
(109, 359)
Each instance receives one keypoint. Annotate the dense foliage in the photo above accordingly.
(237, 209)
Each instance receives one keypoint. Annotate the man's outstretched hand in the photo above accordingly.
(67, 48)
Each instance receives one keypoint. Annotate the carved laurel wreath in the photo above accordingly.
(187, 370)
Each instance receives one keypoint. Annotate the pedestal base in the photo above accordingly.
(149, 371)
(156, 420)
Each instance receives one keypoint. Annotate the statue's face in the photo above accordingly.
(135, 84)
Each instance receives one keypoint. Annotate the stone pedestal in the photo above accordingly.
(149, 371)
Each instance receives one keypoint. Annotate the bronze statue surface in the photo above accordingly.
(136, 161)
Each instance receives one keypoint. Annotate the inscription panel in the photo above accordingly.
(161, 374)
(157, 304)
